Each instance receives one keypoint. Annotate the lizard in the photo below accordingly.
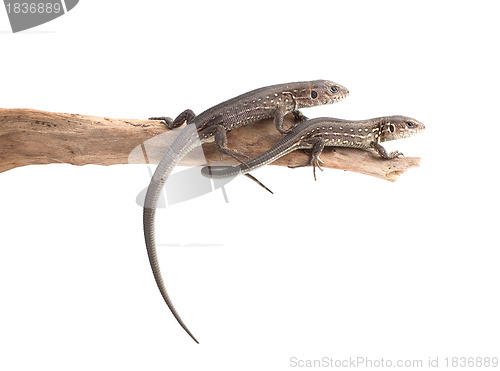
(274, 101)
(317, 133)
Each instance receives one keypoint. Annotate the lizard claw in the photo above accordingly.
(166, 120)
(315, 164)
(396, 154)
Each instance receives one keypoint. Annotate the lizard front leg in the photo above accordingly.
(299, 116)
(185, 116)
(383, 153)
(279, 116)
(278, 120)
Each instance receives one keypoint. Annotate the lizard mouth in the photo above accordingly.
(338, 98)
(411, 133)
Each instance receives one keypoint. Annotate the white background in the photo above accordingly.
(347, 266)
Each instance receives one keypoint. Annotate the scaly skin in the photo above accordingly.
(320, 132)
(272, 101)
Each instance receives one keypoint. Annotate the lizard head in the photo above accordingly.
(319, 92)
(396, 127)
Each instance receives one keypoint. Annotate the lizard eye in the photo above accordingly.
(410, 124)
(334, 89)
(392, 128)
(314, 94)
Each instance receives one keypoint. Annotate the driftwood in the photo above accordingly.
(30, 137)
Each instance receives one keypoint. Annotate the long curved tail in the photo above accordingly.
(183, 144)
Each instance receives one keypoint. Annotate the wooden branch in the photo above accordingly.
(29, 137)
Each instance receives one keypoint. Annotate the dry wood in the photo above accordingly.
(29, 137)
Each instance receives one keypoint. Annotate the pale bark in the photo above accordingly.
(30, 137)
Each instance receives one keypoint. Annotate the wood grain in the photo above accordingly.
(32, 137)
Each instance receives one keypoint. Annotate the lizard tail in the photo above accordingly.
(183, 144)
(149, 232)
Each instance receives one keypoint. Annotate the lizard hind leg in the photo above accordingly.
(317, 144)
(185, 116)
(317, 149)
(166, 120)
(221, 143)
